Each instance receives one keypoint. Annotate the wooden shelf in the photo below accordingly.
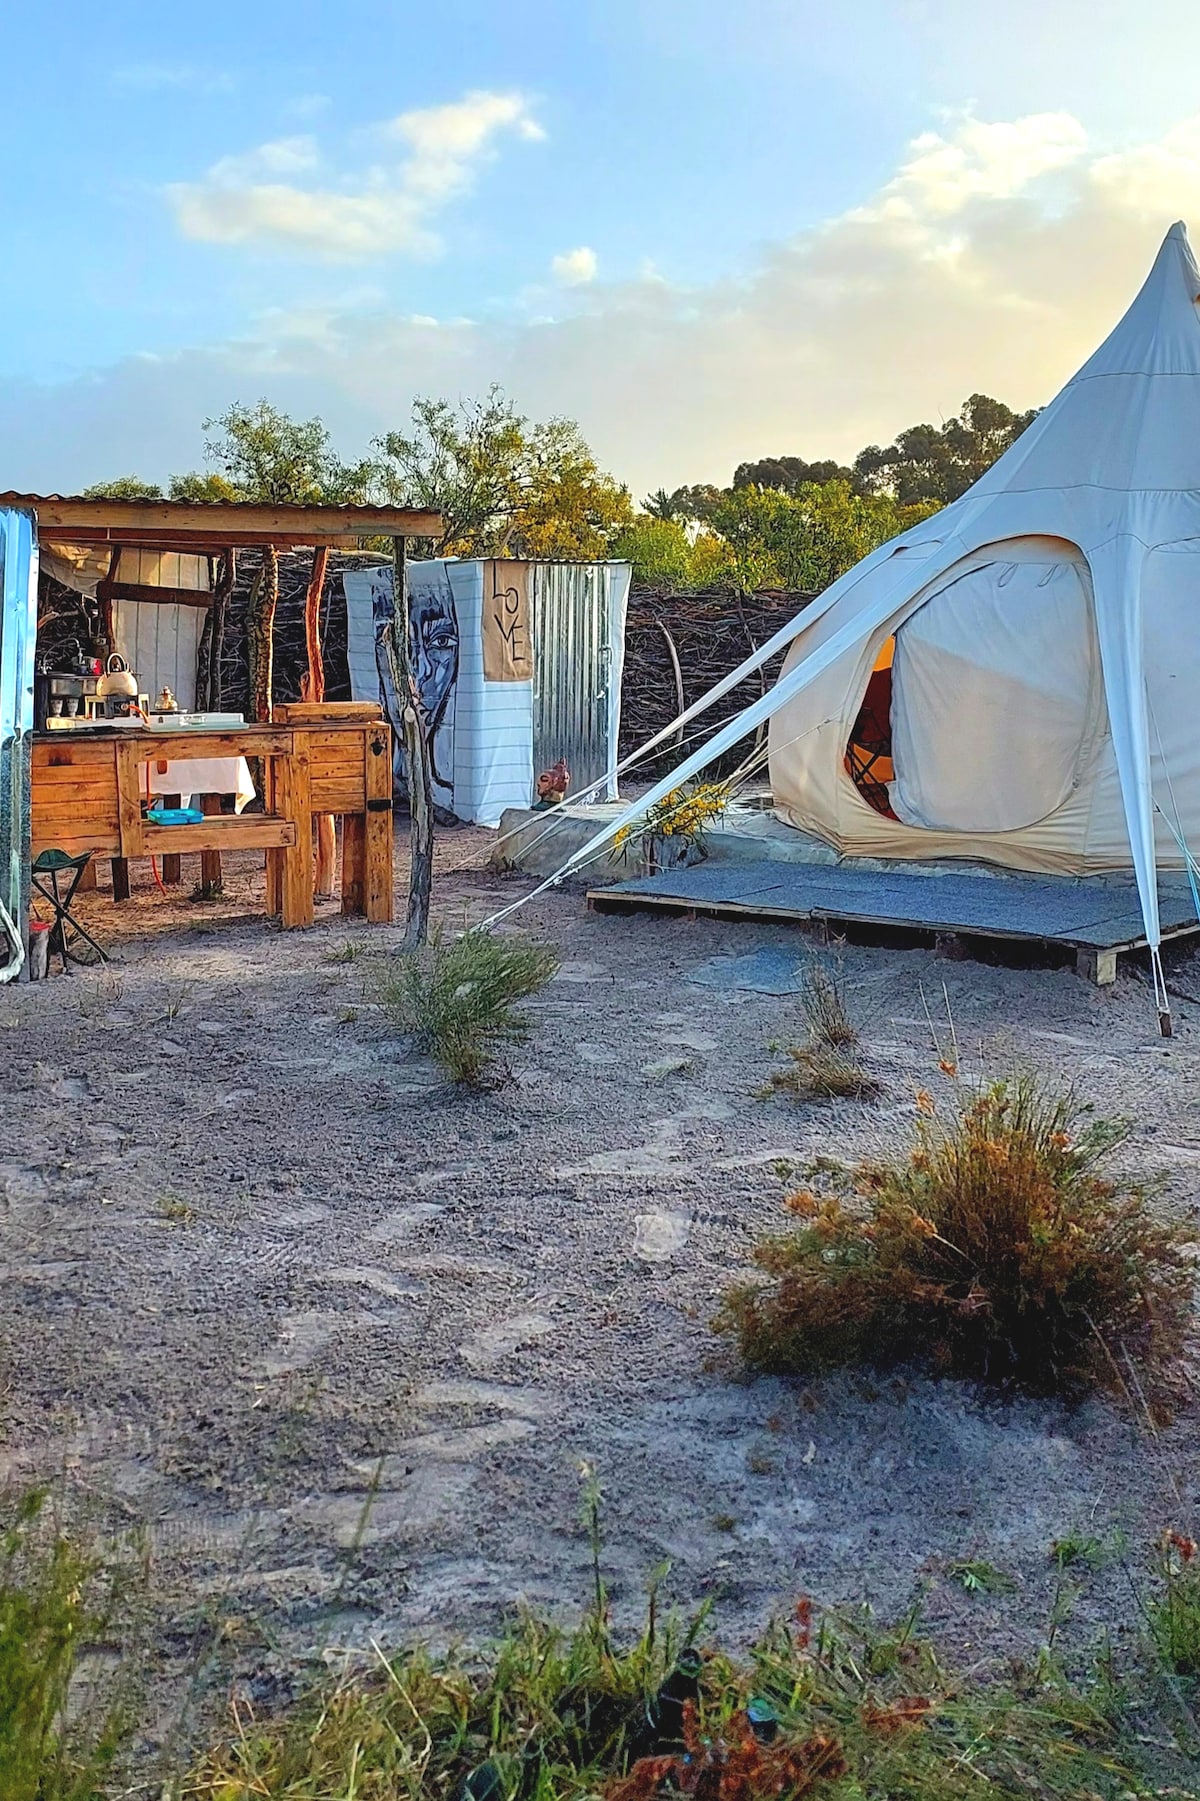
(258, 832)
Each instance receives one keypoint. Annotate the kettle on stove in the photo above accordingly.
(118, 681)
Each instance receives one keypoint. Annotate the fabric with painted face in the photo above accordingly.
(433, 637)
(433, 649)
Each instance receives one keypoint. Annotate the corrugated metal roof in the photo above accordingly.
(84, 519)
(33, 501)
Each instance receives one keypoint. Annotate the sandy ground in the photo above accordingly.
(340, 1336)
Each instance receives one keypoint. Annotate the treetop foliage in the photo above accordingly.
(504, 486)
(509, 486)
(939, 463)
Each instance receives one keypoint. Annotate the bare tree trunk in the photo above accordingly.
(212, 639)
(312, 687)
(312, 625)
(260, 635)
(416, 757)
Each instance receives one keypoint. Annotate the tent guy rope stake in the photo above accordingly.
(1161, 998)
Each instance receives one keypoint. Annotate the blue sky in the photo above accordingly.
(706, 230)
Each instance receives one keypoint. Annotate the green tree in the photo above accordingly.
(264, 455)
(666, 555)
(938, 463)
(788, 473)
(503, 485)
(696, 505)
(207, 487)
(660, 505)
(124, 487)
(659, 550)
(805, 541)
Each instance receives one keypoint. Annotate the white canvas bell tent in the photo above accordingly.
(1041, 636)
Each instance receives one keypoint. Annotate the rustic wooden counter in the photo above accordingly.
(89, 794)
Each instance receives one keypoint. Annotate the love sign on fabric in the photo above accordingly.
(507, 646)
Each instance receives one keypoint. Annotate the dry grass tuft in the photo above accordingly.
(823, 998)
(823, 1072)
(459, 999)
(994, 1249)
(825, 1067)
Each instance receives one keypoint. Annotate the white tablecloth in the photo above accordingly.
(188, 776)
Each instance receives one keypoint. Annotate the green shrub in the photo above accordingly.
(52, 1605)
(458, 999)
(994, 1249)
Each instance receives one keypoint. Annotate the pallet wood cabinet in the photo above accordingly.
(87, 796)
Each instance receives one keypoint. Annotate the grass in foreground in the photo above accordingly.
(842, 1713)
(459, 999)
(837, 1709)
(1174, 1614)
(993, 1249)
(53, 1602)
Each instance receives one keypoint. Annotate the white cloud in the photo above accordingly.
(977, 161)
(840, 337)
(575, 267)
(283, 156)
(432, 155)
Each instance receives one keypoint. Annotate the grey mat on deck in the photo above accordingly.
(1096, 914)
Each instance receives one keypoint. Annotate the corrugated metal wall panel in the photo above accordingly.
(18, 632)
(574, 668)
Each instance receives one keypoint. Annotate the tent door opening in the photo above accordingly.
(868, 756)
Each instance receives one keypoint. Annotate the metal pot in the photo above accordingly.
(118, 680)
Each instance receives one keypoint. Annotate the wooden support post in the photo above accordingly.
(218, 615)
(1098, 966)
(172, 868)
(354, 841)
(210, 860)
(293, 788)
(416, 758)
(377, 880)
(129, 800)
(260, 635)
(120, 878)
(270, 798)
(312, 688)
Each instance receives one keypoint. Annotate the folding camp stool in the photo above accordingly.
(51, 869)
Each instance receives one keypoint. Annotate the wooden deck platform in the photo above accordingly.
(1097, 920)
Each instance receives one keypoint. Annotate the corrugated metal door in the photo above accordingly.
(572, 668)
